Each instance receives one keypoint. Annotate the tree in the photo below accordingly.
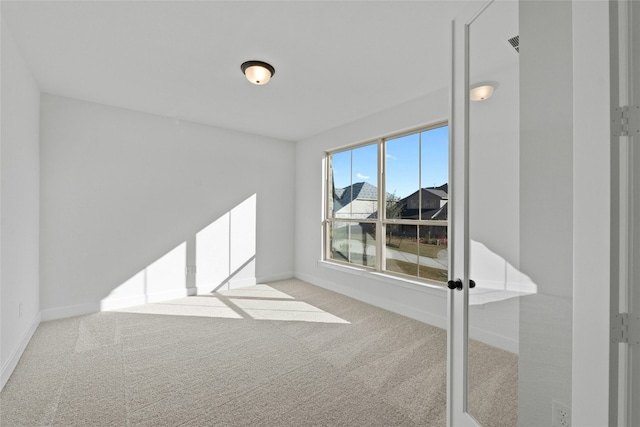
(394, 208)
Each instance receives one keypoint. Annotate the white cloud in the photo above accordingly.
(359, 175)
(389, 156)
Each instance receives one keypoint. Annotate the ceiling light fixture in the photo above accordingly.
(481, 92)
(258, 72)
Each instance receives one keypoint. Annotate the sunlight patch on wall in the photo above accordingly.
(496, 279)
(162, 279)
(220, 256)
(226, 249)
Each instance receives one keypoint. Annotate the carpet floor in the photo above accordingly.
(283, 354)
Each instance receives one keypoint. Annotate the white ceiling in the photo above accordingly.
(336, 61)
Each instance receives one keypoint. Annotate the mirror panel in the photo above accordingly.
(494, 212)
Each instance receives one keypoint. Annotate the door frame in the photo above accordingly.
(457, 300)
(624, 372)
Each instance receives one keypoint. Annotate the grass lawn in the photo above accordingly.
(398, 266)
(410, 269)
(411, 247)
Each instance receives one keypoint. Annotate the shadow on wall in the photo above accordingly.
(220, 256)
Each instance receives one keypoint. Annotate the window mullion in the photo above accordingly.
(382, 207)
(351, 185)
(329, 208)
(420, 176)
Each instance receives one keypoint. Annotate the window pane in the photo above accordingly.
(419, 251)
(339, 241)
(402, 160)
(434, 169)
(364, 176)
(433, 252)
(362, 244)
(355, 182)
(401, 249)
(353, 242)
(340, 183)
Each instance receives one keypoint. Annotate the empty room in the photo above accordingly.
(319, 213)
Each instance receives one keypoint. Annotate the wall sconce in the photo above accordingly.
(258, 72)
(481, 92)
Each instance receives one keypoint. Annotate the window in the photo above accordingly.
(387, 204)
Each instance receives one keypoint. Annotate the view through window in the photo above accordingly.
(397, 188)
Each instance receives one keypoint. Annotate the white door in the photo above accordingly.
(487, 284)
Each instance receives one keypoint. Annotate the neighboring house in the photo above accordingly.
(433, 206)
(433, 202)
(359, 200)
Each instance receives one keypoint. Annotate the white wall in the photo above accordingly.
(126, 195)
(546, 208)
(19, 206)
(428, 304)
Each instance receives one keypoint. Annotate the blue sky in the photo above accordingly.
(403, 170)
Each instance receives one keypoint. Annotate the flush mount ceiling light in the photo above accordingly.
(481, 92)
(258, 72)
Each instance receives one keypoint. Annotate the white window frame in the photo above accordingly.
(381, 222)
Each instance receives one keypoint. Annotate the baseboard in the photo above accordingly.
(275, 277)
(113, 304)
(69, 311)
(231, 284)
(396, 307)
(116, 303)
(132, 301)
(241, 283)
(11, 364)
(494, 340)
(167, 295)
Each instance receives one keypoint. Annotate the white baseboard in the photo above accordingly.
(113, 304)
(241, 283)
(275, 277)
(494, 340)
(394, 306)
(13, 360)
(204, 289)
(116, 303)
(231, 284)
(167, 295)
(132, 301)
(69, 311)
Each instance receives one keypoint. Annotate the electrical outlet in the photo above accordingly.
(561, 414)
(20, 310)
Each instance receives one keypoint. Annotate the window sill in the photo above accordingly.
(438, 290)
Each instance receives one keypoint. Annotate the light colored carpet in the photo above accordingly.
(286, 354)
